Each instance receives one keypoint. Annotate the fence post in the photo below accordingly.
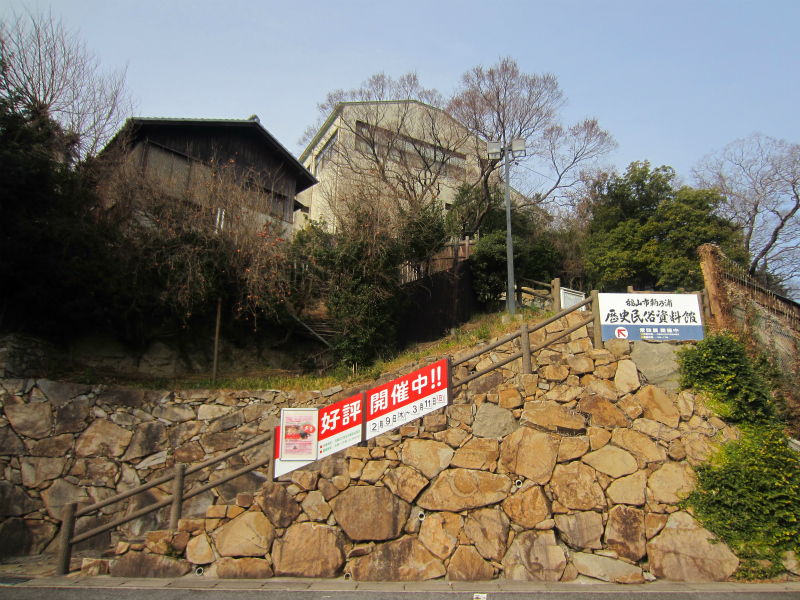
(177, 497)
(556, 292)
(708, 265)
(216, 344)
(65, 546)
(596, 326)
(525, 342)
(456, 273)
(272, 441)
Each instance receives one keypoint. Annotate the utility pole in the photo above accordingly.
(494, 151)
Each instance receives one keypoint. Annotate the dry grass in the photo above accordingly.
(482, 327)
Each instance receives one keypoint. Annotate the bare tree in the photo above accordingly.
(186, 241)
(760, 178)
(409, 146)
(395, 151)
(49, 70)
(502, 103)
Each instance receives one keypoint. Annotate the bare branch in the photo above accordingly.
(760, 178)
(48, 70)
(501, 104)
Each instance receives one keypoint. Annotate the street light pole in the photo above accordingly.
(494, 151)
(511, 301)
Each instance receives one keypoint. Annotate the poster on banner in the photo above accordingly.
(657, 317)
(281, 467)
(408, 398)
(299, 428)
(340, 425)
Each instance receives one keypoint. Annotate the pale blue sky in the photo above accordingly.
(671, 81)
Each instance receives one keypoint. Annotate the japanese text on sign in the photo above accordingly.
(340, 425)
(407, 398)
(650, 316)
(643, 317)
(299, 427)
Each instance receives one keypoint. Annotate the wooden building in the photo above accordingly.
(186, 155)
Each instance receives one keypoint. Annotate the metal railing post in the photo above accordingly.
(525, 343)
(65, 546)
(177, 497)
(596, 326)
(274, 440)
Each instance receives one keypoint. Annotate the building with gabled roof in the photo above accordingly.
(394, 154)
(186, 155)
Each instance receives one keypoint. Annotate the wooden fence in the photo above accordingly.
(437, 303)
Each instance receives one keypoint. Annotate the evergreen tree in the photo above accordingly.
(645, 233)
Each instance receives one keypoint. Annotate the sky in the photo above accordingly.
(671, 80)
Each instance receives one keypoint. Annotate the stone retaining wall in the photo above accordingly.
(574, 471)
(64, 442)
(25, 356)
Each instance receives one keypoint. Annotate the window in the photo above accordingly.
(411, 152)
(326, 154)
(219, 223)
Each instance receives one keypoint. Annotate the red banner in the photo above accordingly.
(408, 398)
(340, 425)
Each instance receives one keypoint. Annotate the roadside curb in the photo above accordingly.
(341, 585)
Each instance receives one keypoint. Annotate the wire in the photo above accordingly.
(537, 172)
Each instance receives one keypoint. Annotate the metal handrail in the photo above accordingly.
(166, 502)
(161, 480)
(70, 514)
(561, 334)
(484, 349)
(563, 313)
(542, 283)
(487, 370)
(524, 334)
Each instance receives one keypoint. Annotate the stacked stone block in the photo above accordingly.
(574, 471)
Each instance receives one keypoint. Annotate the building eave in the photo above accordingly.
(338, 109)
(303, 176)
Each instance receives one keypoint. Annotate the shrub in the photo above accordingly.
(749, 496)
(533, 259)
(356, 271)
(720, 366)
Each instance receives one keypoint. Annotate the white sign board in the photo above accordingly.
(341, 425)
(337, 426)
(299, 427)
(570, 297)
(657, 317)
